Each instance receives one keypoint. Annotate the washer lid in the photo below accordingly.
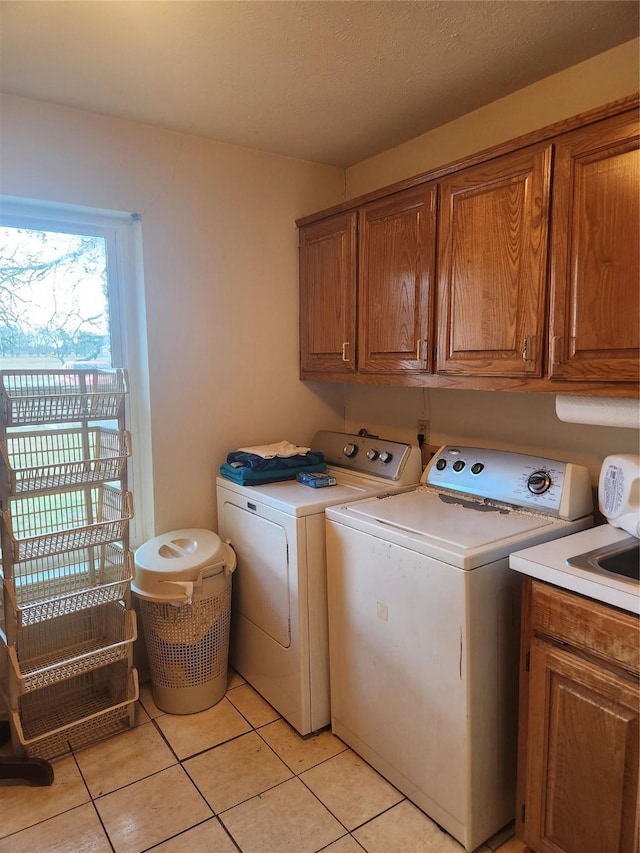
(463, 532)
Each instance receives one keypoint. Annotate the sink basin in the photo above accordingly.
(621, 558)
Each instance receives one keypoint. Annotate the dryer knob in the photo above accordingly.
(350, 450)
(385, 456)
(372, 455)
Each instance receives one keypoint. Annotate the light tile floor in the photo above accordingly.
(234, 777)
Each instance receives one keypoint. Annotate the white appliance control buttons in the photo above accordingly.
(372, 455)
(350, 450)
(386, 457)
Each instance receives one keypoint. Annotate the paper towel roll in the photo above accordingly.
(599, 411)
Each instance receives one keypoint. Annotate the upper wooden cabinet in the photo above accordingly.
(595, 246)
(328, 295)
(492, 261)
(378, 320)
(516, 268)
(395, 282)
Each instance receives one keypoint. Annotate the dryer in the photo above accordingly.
(279, 641)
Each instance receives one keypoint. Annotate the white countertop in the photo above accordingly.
(548, 562)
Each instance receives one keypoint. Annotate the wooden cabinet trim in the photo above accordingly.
(586, 625)
(480, 383)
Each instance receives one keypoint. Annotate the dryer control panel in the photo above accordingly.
(371, 455)
(556, 488)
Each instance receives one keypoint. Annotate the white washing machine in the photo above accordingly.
(424, 626)
(279, 611)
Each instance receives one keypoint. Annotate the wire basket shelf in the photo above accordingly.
(65, 521)
(66, 647)
(53, 586)
(58, 459)
(31, 397)
(78, 712)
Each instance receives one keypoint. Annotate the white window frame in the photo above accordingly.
(122, 233)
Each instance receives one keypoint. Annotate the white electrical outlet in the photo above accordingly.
(423, 427)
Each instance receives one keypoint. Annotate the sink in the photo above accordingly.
(621, 558)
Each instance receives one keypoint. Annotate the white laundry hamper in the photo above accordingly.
(183, 582)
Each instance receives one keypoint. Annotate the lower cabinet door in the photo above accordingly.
(582, 768)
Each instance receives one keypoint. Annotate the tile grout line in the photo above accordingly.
(91, 799)
(217, 817)
(295, 775)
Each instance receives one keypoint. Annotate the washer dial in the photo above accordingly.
(539, 482)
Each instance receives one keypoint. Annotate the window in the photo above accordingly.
(71, 295)
(55, 304)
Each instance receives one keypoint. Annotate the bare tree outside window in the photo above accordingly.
(54, 306)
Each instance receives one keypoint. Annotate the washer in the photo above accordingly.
(424, 626)
(279, 611)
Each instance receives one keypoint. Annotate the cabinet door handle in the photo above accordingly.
(555, 349)
(345, 357)
(419, 348)
(527, 348)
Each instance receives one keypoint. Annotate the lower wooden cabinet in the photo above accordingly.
(579, 725)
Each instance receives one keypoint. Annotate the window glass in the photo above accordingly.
(54, 310)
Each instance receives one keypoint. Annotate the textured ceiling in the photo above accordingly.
(334, 82)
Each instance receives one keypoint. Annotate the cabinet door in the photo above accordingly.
(328, 295)
(582, 767)
(595, 281)
(397, 246)
(492, 256)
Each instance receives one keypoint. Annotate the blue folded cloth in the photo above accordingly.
(248, 477)
(301, 461)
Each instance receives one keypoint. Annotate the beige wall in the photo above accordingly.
(525, 422)
(512, 421)
(220, 279)
(606, 77)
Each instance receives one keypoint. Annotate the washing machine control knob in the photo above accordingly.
(372, 455)
(350, 450)
(539, 482)
(385, 456)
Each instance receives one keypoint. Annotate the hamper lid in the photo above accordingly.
(180, 556)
